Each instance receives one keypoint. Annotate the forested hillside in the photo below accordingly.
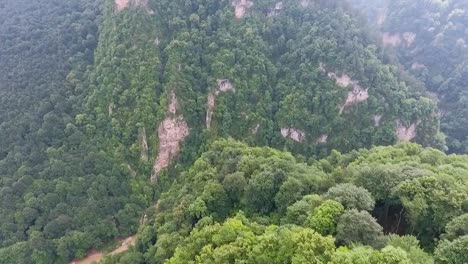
(60, 193)
(171, 76)
(260, 205)
(112, 111)
(429, 38)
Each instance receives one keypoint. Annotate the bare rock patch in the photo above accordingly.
(377, 119)
(209, 112)
(171, 132)
(418, 66)
(294, 134)
(389, 39)
(142, 140)
(241, 7)
(120, 5)
(223, 86)
(397, 39)
(132, 171)
(275, 10)
(406, 133)
(323, 139)
(382, 16)
(409, 38)
(305, 3)
(255, 129)
(357, 95)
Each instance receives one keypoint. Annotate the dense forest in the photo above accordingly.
(113, 114)
(239, 204)
(429, 40)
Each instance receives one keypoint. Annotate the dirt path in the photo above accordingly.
(95, 256)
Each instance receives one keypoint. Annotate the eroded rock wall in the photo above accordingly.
(294, 134)
(222, 86)
(406, 133)
(241, 7)
(171, 132)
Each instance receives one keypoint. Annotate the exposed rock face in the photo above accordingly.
(323, 139)
(209, 112)
(132, 171)
(255, 129)
(417, 66)
(171, 132)
(397, 39)
(294, 134)
(391, 39)
(358, 94)
(382, 16)
(409, 37)
(173, 104)
(276, 10)
(305, 3)
(377, 119)
(223, 86)
(122, 4)
(143, 144)
(404, 133)
(111, 108)
(241, 7)
(343, 81)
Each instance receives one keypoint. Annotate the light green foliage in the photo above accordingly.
(392, 255)
(298, 212)
(432, 202)
(357, 255)
(231, 177)
(410, 245)
(358, 227)
(239, 241)
(351, 196)
(325, 218)
(228, 168)
(457, 227)
(367, 255)
(452, 252)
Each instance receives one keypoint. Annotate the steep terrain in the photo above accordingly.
(105, 103)
(429, 38)
(266, 72)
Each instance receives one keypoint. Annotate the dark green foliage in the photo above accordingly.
(358, 227)
(82, 85)
(61, 193)
(438, 55)
(351, 196)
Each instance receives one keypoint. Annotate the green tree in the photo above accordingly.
(457, 227)
(351, 196)
(324, 219)
(358, 227)
(452, 252)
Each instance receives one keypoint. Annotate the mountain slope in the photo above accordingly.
(429, 38)
(91, 117)
(172, 76)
